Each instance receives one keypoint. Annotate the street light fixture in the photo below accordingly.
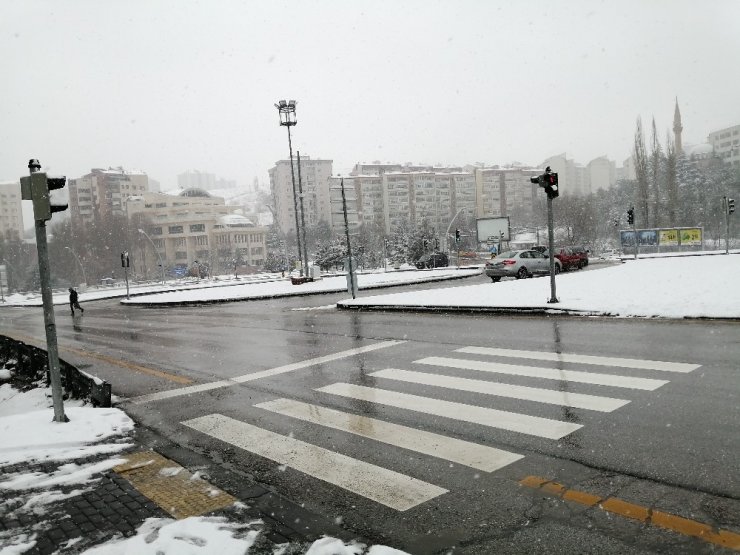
(155, 251)
(84, 277)
(286, 110)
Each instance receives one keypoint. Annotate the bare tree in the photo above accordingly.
(655, 193)
(671, 183)
(642, 204)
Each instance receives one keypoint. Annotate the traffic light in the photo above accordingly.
(36, 187)
(124, 260)
(551, 185)
(425, 244)
(730, 205)
(548, 180)
(457, 236)
(436, 244)
(631, 216)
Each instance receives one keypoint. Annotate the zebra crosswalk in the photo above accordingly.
(474, 378)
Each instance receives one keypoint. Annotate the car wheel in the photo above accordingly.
(495, 279)
(581, 265)
(522, 273)
(557, 268)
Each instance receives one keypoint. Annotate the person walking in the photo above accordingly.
(74, 301)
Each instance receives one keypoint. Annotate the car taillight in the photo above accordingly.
(509, 262)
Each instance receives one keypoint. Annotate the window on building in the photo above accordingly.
(156, 231)
(175, 229)
(194, 228)
(181, 255)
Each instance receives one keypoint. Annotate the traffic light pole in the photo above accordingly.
(551, 249)
(726, 207)
(49, 322)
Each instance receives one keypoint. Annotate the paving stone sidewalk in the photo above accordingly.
(112, 507)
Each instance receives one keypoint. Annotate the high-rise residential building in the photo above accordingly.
(11, 211)
(314, 176)
(602, 174)
(101, 194)
(726, 144)
(506, 192)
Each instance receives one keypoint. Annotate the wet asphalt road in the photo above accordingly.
(675, 448)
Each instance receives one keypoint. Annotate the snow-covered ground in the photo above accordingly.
(673, 287)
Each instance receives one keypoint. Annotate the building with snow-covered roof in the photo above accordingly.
(194, 225)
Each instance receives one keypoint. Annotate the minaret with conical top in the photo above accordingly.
(677, 128)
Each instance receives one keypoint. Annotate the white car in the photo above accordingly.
(520, 264)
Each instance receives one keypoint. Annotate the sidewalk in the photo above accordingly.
(115, 503)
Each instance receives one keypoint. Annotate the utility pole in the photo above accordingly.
(125, 266)
(36, 188)
(303, 214)
(351, 278)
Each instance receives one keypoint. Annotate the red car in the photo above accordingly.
(571, 258)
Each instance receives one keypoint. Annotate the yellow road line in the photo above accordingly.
(110, 360)
(617, 506)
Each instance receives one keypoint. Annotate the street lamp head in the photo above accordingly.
(286, 110)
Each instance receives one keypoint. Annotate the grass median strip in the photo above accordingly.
(647, 515)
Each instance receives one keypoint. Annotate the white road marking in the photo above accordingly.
(474, 455)
(551, 396)
(390, 488)
(522, 423)
(584, 359)
(647, 384)
(189, 390)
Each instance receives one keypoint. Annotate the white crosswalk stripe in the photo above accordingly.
(402, 492)
(584, 359)
(629, 382)
(513, 421)
(385, 486)
(470, 454)
(550, 396)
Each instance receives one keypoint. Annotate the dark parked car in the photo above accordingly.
(519, 264)
(433, 260)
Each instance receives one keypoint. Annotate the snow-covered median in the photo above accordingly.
(695, 287)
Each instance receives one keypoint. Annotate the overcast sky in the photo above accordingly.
(167, 86)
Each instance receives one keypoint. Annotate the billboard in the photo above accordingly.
(685, 237)
(690, 236)
(490, 229)
(668, 237)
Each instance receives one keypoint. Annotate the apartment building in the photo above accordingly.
(726, 144)
(102, 194)
(11, 211)
(192, 225)
(314, 175)
(506, 192)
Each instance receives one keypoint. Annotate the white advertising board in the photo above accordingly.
(490, 229)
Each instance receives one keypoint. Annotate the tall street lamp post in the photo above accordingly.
(144, 233)
(286, 109)
(84, 277)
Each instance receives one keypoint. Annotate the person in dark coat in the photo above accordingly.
(74, 302)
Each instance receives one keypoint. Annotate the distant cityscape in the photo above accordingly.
(207, 211)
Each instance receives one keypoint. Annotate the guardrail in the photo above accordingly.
(28, 365)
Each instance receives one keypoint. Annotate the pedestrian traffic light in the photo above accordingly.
(436, 244)
(457, 236)
(124, 260)
(730, 205)
(631, 216)
(425, 244)
(36, 188)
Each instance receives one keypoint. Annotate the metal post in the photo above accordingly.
(551, 248)
(84, 277)
(352, 279)
(727, 224)
(385, 255)
(637, 242)
(161, 265)
(124, 263)
(49, 322)
(295, 202)
(303, 213)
